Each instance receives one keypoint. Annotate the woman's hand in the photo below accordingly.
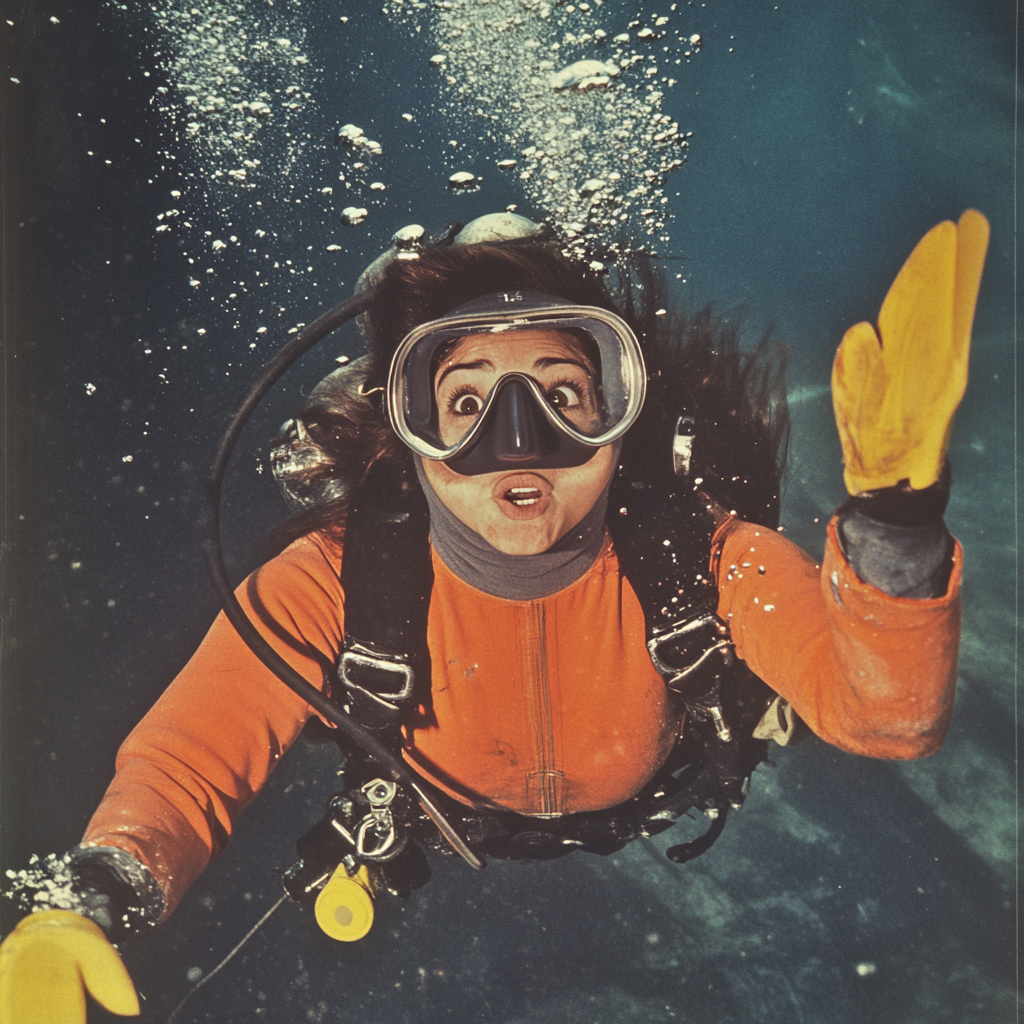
(49, 962)
(895, 390)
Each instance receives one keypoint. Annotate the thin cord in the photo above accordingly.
(1016, 502)
(202, 981)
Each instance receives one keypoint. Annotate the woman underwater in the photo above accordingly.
(549, 578)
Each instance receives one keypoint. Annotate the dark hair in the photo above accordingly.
(695, 366)
(413, 292)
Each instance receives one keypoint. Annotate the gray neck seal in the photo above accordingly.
(514, 577)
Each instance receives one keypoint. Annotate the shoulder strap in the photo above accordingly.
(663, 540)
(387, 577)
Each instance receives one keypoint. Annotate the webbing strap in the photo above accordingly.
(387, 578)
(662, 538)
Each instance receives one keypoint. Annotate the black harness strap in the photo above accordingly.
(661, 536)
(663, 539)
(387, 578)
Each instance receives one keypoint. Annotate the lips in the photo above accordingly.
(522, 495)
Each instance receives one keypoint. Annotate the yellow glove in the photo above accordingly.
(49, 961)
(895, 391)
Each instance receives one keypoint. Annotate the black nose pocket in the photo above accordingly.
(519, 431)
(517, 435)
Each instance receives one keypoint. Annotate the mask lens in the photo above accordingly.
(566, 380)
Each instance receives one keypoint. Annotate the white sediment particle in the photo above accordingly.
(45, 884)
(237, 77)
(356, 142)
(353, 215)
(461, 180)
(578, 74)
(537, 79)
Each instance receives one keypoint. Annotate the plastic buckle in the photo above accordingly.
(357, 659)
(701, 637)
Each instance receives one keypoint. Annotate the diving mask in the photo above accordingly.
(555, 412)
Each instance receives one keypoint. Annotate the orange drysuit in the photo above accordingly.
(542, 707)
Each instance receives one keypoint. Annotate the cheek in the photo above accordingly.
(590, 480)
(463, 495)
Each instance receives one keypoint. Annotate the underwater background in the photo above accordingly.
(166, 221)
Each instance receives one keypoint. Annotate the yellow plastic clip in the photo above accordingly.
(344, 908)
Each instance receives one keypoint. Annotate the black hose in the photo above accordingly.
(210, 521)
(687, 851)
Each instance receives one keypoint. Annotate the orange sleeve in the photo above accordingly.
(212, 739)
(869, 673)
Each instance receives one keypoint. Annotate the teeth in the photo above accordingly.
(523, 496)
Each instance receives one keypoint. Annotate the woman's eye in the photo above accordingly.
(563, 396)
(466, 405)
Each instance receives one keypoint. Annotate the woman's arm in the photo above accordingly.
(211, 741)
(868, 672)
(867, 656)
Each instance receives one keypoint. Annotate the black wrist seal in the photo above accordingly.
(902, 506)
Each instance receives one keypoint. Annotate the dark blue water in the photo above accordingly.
(824, 146)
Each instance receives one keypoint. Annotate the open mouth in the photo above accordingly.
(522, 495)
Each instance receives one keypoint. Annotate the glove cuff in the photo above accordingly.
(103, 883)
(118, 892)
(901, 505)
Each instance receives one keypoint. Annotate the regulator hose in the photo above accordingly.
(213, 551)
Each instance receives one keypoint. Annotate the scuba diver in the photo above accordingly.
(538, 564)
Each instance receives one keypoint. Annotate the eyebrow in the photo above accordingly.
(479, 364)
(543, 364)
(540, 364)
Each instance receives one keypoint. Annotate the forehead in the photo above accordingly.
(525, 345)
